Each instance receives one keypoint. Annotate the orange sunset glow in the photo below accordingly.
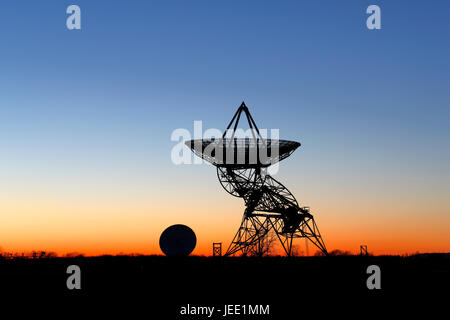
(99, 220)
(89, 121)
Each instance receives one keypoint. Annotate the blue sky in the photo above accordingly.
(96, 105)
(138, 70)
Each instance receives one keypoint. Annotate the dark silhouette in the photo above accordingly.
(242, 170)
(161, 284)
(177, 240)
(217, 249)
(363, 250)
(338, 252)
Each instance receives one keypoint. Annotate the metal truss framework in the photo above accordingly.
(270, 208)
(217, 249)
(271, 212)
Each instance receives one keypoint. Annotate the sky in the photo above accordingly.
(86, 118)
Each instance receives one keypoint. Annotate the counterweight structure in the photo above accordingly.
(271, 212)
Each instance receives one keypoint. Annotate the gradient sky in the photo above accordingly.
(86, 118)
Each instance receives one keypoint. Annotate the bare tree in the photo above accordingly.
(338, 252)
(265, 245)
(296, 251)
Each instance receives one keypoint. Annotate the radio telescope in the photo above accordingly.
(177, 240)
(270, 207)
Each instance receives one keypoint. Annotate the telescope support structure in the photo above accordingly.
(271, 213)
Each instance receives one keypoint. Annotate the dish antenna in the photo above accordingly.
(242, 171)
(177, 240)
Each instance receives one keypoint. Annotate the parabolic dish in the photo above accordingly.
(177, 240)
(241, 153)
